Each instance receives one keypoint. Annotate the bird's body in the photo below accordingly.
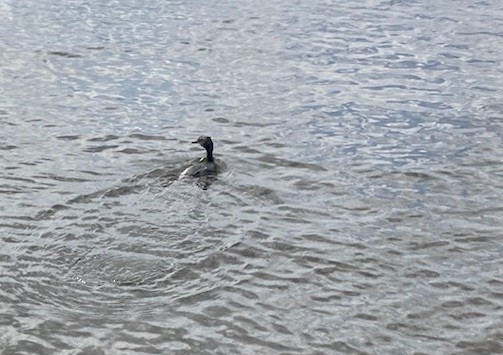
(201, 168)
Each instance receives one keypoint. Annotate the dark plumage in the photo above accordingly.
(206, 166)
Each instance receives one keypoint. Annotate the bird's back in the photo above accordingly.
(200, 169)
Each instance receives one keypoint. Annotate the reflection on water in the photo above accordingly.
(360, 210)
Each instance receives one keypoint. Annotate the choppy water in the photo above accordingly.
(361, 211)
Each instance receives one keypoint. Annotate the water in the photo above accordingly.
(361, 208)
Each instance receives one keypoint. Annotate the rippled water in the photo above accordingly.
(361, 211)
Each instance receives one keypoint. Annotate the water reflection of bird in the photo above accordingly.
(206, 166)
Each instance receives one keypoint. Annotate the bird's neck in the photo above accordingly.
(209, 155)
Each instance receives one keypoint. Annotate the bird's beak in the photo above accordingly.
(194, 142)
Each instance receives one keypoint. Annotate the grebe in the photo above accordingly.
(206, 166)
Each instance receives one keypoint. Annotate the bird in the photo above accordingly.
(205, 166)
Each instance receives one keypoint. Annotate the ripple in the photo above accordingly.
(360, 211)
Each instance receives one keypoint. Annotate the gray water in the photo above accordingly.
(361, 208)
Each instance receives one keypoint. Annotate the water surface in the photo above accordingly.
(361, 208)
